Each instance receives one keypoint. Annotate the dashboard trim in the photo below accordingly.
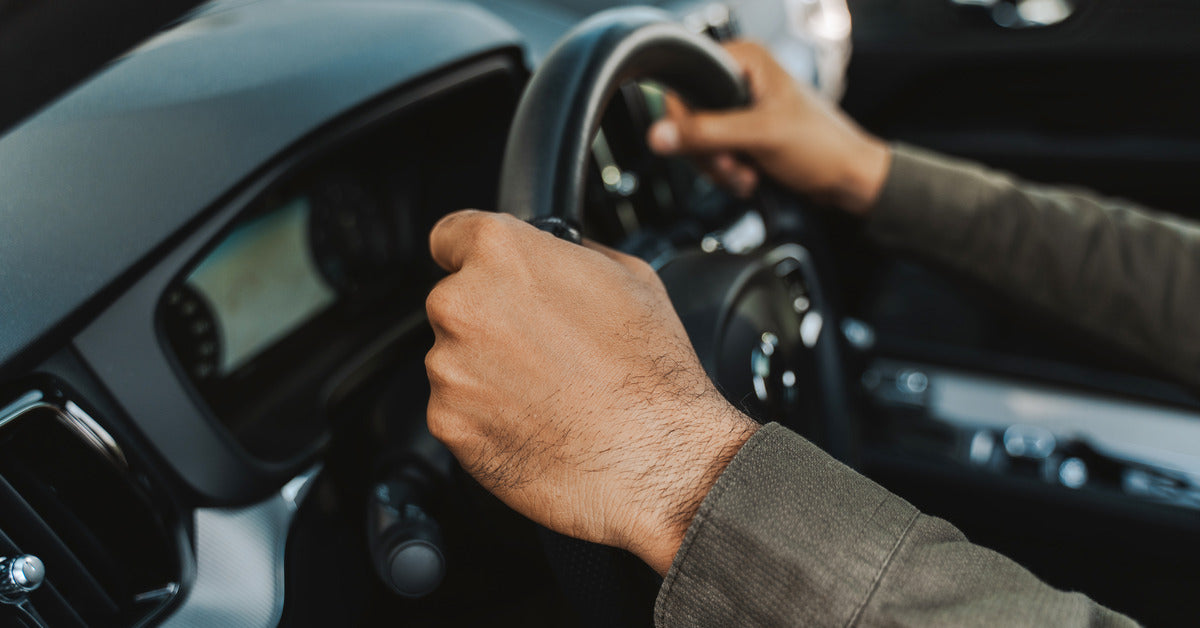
(73, 417)
(239, 569)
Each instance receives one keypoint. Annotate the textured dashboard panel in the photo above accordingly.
(98, 180)
(239, 562)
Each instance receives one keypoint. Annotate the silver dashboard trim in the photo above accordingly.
(1134, 431)
(72, 416)
(239, 579)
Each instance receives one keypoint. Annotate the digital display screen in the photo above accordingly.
(262, 283)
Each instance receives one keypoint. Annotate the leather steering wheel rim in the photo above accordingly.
(543, 178)
(545, 161)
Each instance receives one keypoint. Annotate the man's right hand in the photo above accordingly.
(788, 133)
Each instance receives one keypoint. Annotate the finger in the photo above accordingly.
(674, 107)
(717, 168)
(731, 173)
(724, 166)
(663, 136)
(460, 235)
(740, 178)
(449, 238)
(705, 132)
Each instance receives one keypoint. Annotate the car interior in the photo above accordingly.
(214, 263)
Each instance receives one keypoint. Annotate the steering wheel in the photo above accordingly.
(762, 323)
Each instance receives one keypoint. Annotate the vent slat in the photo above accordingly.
(29, 531)
(69, 495)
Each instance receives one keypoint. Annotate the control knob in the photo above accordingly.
(405, 542)
(19, 576)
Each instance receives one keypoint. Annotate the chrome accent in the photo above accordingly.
(1126, 430)
(982, 447)
(70, 415)
(746, 233)
(157, 595)
(86, 427)
(240, 562)
(19, 576)
(1018, 14)
(1155, 448)
(1029, 441)
(912, 381)
(24, 403)
(1073, 473)
(810, 328)
(760, 363)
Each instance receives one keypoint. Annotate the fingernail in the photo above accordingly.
(664, 136)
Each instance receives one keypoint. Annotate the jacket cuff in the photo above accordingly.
(786, 536)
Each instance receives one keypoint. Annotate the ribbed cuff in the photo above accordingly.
(786, 536)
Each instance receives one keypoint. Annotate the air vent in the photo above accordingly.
(68, 496)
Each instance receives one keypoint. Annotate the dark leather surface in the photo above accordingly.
(547, 153)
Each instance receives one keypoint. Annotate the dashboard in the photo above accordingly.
(271, 324)
(270, 266)
(214, 267)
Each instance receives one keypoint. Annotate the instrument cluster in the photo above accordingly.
(327, 268)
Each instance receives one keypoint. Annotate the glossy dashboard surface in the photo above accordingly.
(165, 132)
(193, 130)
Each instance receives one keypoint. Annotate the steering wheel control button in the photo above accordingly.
(19, 576)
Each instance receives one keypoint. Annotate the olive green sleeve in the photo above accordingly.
(1121, 272)
(788, 536)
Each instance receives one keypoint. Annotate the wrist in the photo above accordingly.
(698, 465)
(867, 166)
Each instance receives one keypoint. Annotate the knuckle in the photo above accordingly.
(493, 238)
(446, 425)
(440, 304)
(435, 366)
(492, 230)
(441, 369)
(643, 269)
(438, 421)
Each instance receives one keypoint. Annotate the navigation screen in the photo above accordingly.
(262, 283)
